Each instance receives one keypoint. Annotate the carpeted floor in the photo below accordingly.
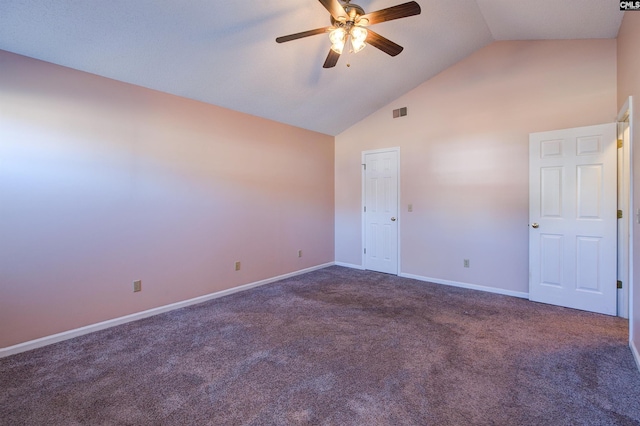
(336, 347)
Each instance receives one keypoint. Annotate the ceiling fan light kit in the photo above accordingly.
(348, 21)
(338, 37)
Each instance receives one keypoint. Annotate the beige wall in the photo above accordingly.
(629, 85)
(464, 156)
(103, 183)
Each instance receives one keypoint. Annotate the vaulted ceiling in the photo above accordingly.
(224, 53)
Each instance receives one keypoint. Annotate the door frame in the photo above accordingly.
(626, 223)
(626, 114)
(363, 200)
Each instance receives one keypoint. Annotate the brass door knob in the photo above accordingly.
(534, 225)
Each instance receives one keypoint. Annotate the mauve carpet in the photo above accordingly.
(336, 347)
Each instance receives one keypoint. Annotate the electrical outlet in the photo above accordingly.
(410, 208)
(299, 253)
(237, 265)
(466, 263)
(137, 286)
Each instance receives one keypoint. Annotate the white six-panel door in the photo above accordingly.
(572, 218)
(381, 211)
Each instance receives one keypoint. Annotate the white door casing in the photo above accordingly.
(625, 220)
(572, 218)
(381, 211)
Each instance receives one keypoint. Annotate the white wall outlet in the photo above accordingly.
(299, 253)
(137, 286)
(466, 263)
(237, 265)
(410, 208)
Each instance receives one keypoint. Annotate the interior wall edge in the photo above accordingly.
(70, 334)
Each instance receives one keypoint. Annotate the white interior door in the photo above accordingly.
(572, 218)
(381, 211)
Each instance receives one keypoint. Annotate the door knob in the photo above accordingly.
(393, 219)
(534, 225)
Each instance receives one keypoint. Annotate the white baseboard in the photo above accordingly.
(467, 285)
(636, 353)
(519, 294)
(349, 265)
(55, 338)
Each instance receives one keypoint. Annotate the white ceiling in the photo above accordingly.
(225, 53)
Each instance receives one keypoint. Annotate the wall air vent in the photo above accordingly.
(400, 112)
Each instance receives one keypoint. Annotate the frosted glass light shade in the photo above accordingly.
(337, 37)
(358, 36)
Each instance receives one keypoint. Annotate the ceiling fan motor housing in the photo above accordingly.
(353, 11)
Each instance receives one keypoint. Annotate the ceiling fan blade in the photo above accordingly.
(302, 34)
(382, 43)
(335, 9)
(332, 59)
(395, 12)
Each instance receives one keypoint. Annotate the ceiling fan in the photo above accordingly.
(349, 21)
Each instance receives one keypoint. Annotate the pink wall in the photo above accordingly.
(629, 85)
(103, 183)
(464, 155)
